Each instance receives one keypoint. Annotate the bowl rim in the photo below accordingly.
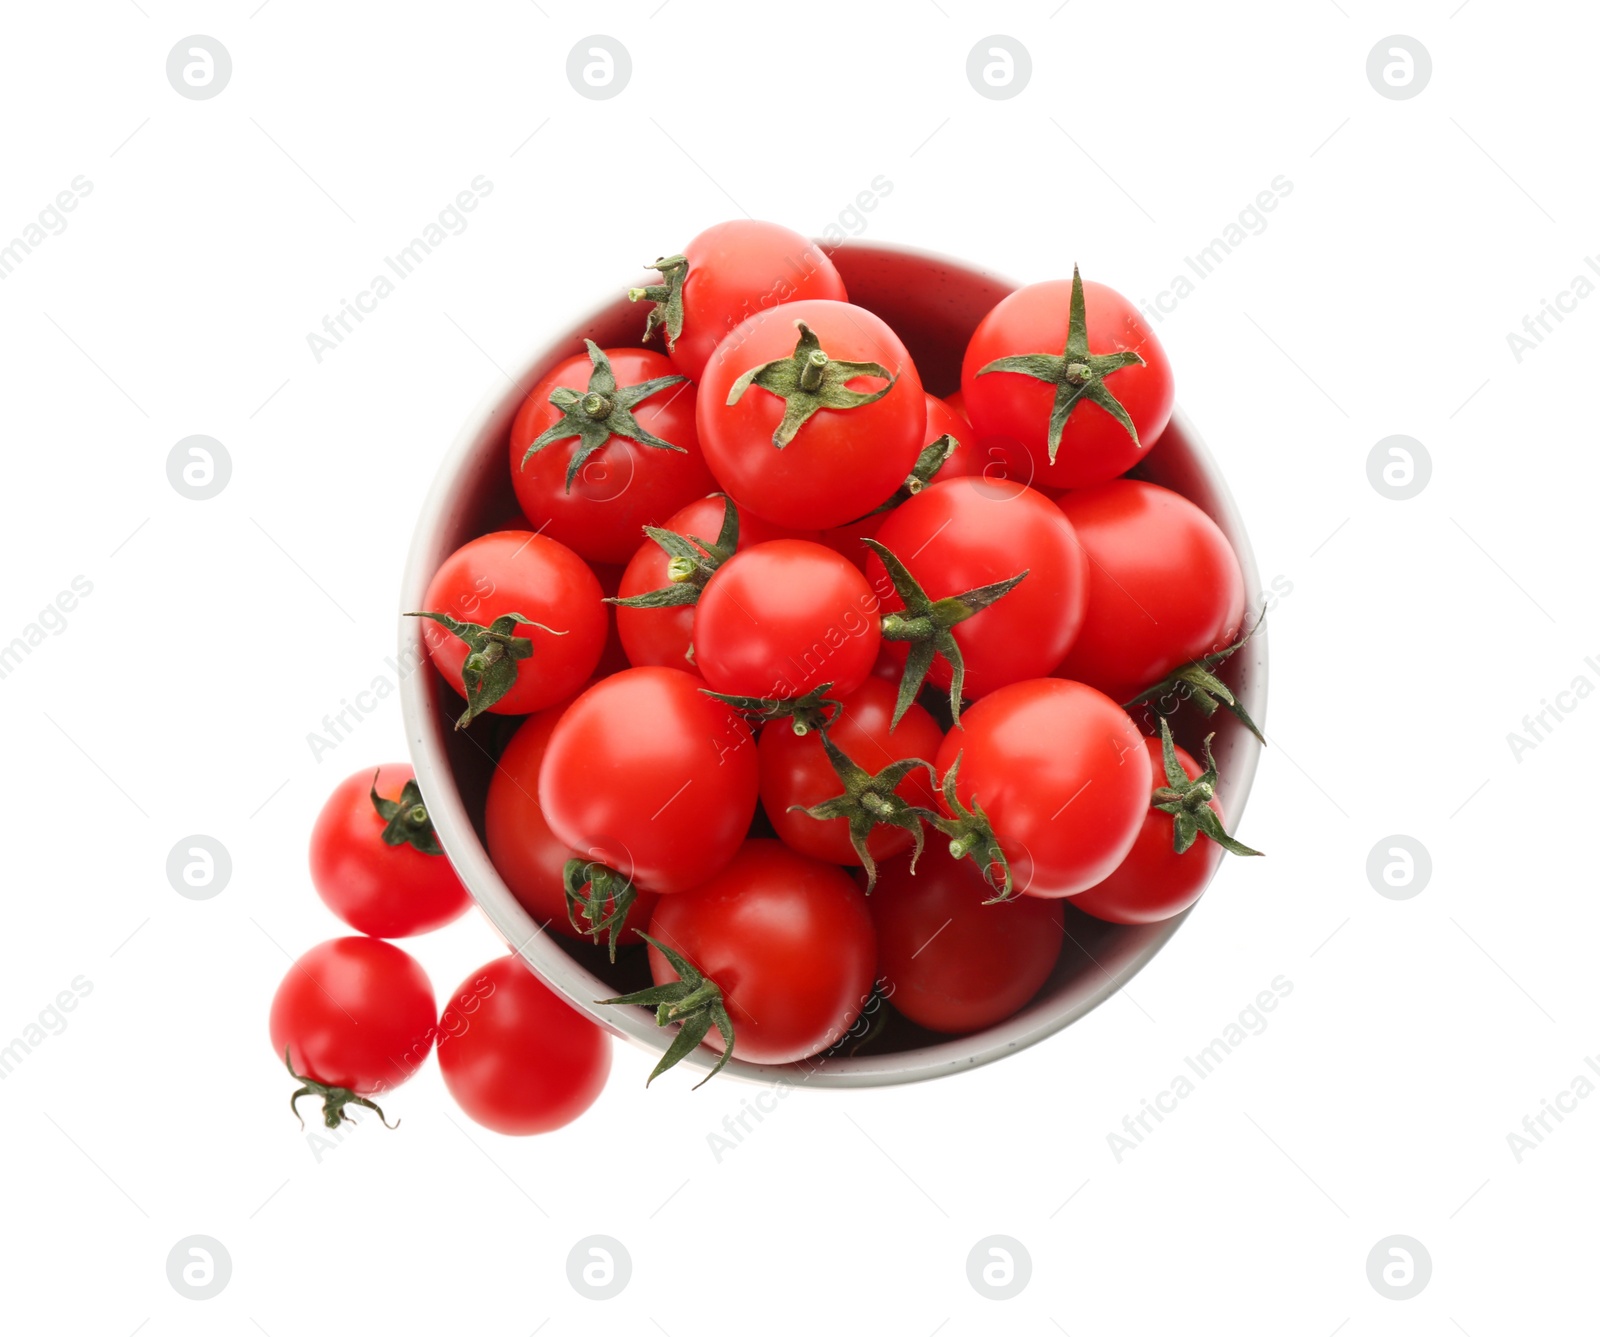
(540, 952)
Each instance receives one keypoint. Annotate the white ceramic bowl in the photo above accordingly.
(933, 303)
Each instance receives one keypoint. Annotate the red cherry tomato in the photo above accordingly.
(513, 571)
(1062, 775)
(950, 962)
(784, 618)
(623, 484)
(525, 851)
(1164, 586)
(796, 772)
(789, 942)
(518, 1059)
(1153, 882)
(383, 874)
(647, 774)
(733, 271)
(841, 461)
(969, 532)
(1012, 410)
(355, 1014)
(959, 404)
(613, 659)
(665, 636)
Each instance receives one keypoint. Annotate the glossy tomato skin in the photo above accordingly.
(647, 774)
(665, 636)
(738, 269)
(795, 771)
(354, 1012)
(516, 1058)
(525, 851)
(843, 462)
(1164, 586)
(1154, 883)
(1063, 776)
(968, 532)
(956, 402)
(623, 485)
(789, 941)
(387, 891)
(784, 618)
(948, 961)
(1013, 410)
(514, 571)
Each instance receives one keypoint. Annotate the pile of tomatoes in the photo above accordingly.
(834, 690)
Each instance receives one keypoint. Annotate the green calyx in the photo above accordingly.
(971, 837)
(334, 1099)
(923, 472)
(925, 623)
(1189, 801)
(1196, 682)
(601, 895)
(1078, 375)
(406, 820)
(667, 313)
(693, 562)
(490, 670)
(870, 801)
(805, 713)
(602, 410)
(808, 380)
(691, 999)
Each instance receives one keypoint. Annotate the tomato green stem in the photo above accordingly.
(1196, 682)
(1189, 801)
(601, 895)
(808, 380)
(693, 562)
(334, 1099)
(406, 820)
(691, 999)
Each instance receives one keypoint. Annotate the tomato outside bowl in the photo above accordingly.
(933, 303)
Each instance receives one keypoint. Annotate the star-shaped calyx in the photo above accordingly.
(808, 380)
(1077, 374)
(1196, 682)
(602, 410)
(804, 713)
(406, 821)
(691, 999)
(1189, 801)
(667, 313)
(693, 562)
(490, 669)
(601, 895)
(334, 1099)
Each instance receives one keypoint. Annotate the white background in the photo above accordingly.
(177, 700)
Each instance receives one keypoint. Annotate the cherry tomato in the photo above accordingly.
(1153, 882)
(356, 1017)
(796, 772)
(614, 657)
(949, 961)
(480, 585)
(1013, 410)
(779, 454)
(377, 863)
(967, 533)
(647, 774)
(523, 848)
(956, 402)
(1062, 776)
(787, 939)
(621, 482)
(665, 636)
(784, 618)
(725, 275)
(1164, 586)
(516, 1058)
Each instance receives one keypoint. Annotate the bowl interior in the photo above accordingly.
(933, 303)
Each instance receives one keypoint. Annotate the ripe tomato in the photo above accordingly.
(968, 533)
(949, 961)
(1164, 586)
(1090, 355)
(796, 773)
(811, 458)
(787, 939)
(647, 774)
(518, 1059)
(665, 636)
(1063, 780)
(727, 274)
(956, 402)
(784, 618)
(521, 614)
(375, 860)
(594, 491)
(355, 1016)
(525, 851)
